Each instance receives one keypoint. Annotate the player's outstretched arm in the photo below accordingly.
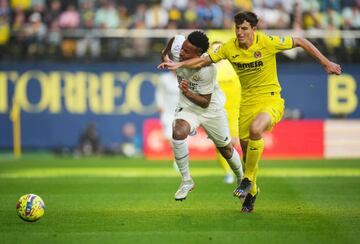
(193, 63)
(330, 67)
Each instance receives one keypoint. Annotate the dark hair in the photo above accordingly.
(248, 16)
(199, 40)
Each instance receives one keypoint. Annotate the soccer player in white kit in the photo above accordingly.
(201, 103)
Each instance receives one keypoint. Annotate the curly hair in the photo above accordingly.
(199, 40)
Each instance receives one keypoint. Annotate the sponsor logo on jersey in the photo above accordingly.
(249, 66)
(257, 54)
(195, 77)
(216, 49)
(235, 56)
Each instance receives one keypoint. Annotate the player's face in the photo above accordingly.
(188, 51)
(244, 33)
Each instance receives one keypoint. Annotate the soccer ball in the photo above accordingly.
(30, 207)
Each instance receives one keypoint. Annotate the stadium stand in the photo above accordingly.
(92, 30)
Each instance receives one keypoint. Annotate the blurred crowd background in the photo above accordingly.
(104, 30)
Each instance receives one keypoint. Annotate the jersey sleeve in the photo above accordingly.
(218, 54)
(280, 43)
(176, 47)
(207, 80)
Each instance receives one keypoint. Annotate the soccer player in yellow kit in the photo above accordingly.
(230, 86)
(253, 56)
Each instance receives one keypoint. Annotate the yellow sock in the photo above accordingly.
(253, 155)
(254, 189)
(223, 163)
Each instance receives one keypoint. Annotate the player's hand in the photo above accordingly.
(169, 65)
(333, 68)
(166, 59)
(184, 86)
(163, 65)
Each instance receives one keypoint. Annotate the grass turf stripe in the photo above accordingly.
(168, 172)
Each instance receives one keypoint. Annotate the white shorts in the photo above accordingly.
(215, 124)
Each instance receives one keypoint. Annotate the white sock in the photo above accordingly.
(235, 164)
(181, 152)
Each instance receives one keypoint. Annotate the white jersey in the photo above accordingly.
(201, 81)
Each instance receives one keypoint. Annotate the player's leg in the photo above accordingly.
(216, 127)
(249, 201)
(181, 151)
(185, 123)
(266, 115)
(232, 116)
(229, 177)
(233, 159)
(254, 149)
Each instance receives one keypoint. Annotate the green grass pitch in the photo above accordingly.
(119, 200)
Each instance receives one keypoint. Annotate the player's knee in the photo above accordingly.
(226, 151)
(179, 134)
(256, 131)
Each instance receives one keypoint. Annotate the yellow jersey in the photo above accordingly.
(229, 84)
(255, 66)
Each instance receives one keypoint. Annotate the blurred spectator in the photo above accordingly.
(89, 141)
(179, 4)
(326, 4)
(351, 15)
(139, 15)
(310, 6)
(131, 142)
(87, 16)
(204, 16)
(190, 15)
(332, 39)
(297, 31)
(62, 23)
(331, 17)
(125, 19)
(35, 34)
(4, 24)
(228, 9)
(140, 45)
(175, 16)
(107, 17)
(156, 17)
(51, 19)
(52, 16)
(22, 4)
(18, 20)
(216, 14)
(70, 18)
(272, 14)
(245, 5)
